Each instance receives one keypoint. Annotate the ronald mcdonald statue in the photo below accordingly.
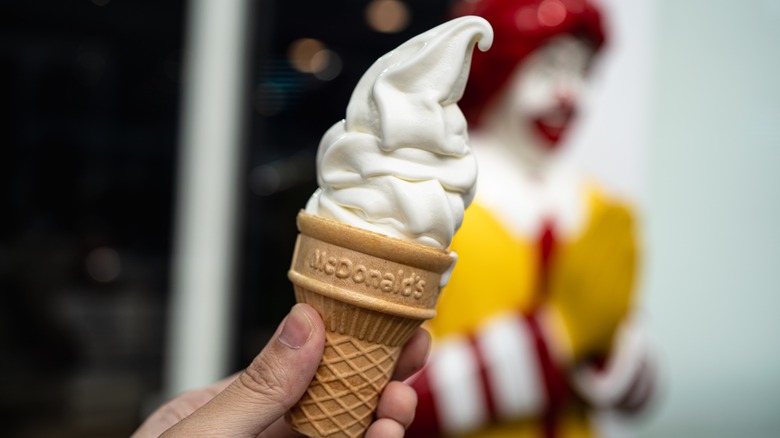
(535, 331)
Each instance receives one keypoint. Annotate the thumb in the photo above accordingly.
(274, 381)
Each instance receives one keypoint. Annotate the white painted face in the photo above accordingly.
(540, 101)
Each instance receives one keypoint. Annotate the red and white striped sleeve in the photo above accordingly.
(504, 371)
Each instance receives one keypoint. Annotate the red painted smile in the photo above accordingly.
(552, 125)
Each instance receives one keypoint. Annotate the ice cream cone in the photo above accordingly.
(372, 292)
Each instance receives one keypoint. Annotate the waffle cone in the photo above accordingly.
(372, 292)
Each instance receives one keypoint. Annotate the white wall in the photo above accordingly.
(611, 140)
(685, 118)
(713, 212)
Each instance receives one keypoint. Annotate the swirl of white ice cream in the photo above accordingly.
(400, 163)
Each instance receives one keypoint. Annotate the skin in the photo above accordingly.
(539, 104)
(252, 403)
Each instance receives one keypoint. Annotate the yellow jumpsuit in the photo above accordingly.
(590, 282)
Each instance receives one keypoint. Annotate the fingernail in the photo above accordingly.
(297, 328)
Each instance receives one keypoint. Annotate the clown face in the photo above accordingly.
(540, 101)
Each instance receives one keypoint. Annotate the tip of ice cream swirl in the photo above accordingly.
(400, 163)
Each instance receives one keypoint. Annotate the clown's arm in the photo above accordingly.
(511, 369)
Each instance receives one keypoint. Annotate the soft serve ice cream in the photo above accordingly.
(400, 163)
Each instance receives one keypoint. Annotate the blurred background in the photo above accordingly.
(92, 132)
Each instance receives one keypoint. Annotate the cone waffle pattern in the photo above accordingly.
(344, 394)
(372, 292)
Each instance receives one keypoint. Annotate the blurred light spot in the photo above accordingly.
(269, 99)
(527, 19)
(387, 16)
(319, 61)
(332, 68)
(302, 55)
(264, 180)
(551, 12)
(103, 264)
(308, 55)
(100, 2)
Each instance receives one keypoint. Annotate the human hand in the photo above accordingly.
(253, 402)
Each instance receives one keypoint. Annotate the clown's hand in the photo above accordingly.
(627, 381)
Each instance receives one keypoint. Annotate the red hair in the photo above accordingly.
(520, 26)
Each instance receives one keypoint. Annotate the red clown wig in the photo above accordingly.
(520, 26)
